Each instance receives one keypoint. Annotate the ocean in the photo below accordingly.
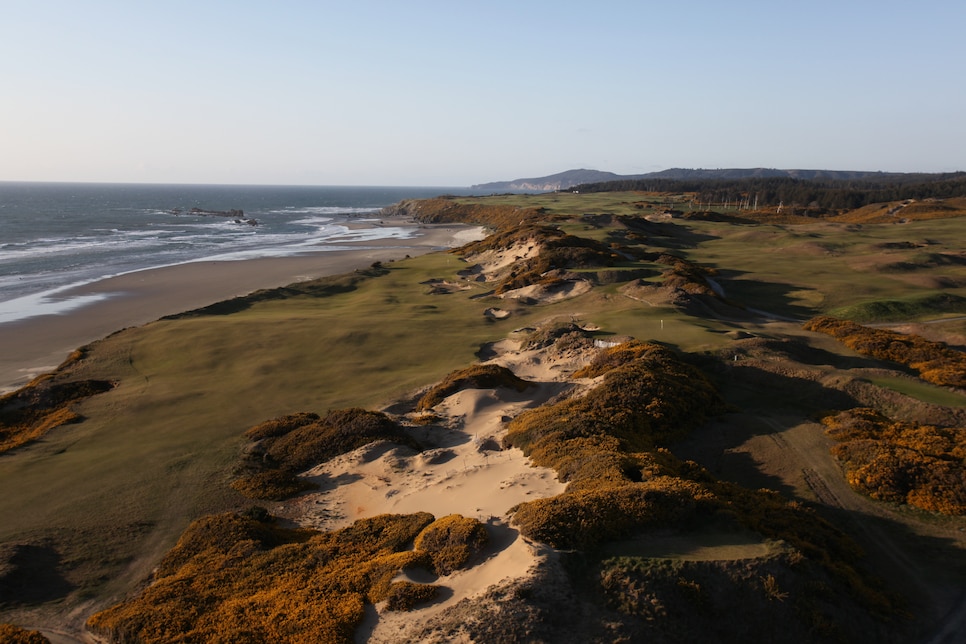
(55, 236)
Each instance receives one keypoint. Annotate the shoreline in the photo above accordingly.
(36, 345)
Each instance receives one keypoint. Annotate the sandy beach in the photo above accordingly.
(38, 344)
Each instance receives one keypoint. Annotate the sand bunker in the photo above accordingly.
(549, 293)
(496, 314)
(444, 287)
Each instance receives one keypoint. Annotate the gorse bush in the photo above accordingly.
(935, 362)
(620, 483)
(561, 335)
(687, 276)
(43, 404)
(622, 354)
(451, 542)
(281, 425)
(555, 251)
(604, 444)
(339, 432)
(234, 578)
(482, 376)
(445, 210)
(272, 485)
(586, 518)
(792, 600)
(564, 252)
(919, 465)
(10, 634)
(650, 400)
(528, 235)
(404, 595)
(284, 446)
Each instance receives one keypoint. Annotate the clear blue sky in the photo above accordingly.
(451, 93)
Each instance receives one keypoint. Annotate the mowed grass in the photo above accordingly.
(921, 390)
(115, 491)
(802, 271)
(570, 204)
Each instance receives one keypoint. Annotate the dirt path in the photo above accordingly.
(874, 526)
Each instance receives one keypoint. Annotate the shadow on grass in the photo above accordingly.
(769, 297)
(807, 354)
(661, 234)
(928, 572)
(31, 574)
(755, 393)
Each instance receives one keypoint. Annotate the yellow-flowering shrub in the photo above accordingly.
(920, 465)
(235, 578)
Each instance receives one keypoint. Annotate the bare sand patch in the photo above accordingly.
(549, 293)
(465, 471)
(491, 263)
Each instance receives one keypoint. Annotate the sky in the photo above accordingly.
(458, 92)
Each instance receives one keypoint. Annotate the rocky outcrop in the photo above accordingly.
(236, 214)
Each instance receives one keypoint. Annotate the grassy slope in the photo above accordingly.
(157, 451)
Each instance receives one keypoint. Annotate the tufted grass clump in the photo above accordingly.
(272, 485)
(480, 376)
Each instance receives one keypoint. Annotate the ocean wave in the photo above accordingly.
(322, 210)
(46, 303)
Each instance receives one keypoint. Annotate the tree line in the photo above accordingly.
(820, 194)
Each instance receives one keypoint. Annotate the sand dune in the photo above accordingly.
(465, 472)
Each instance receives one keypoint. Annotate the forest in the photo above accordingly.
(819, 196)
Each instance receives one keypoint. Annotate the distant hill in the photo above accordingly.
(559, 181)
(571, 178)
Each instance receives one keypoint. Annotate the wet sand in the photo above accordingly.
(38, 344)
